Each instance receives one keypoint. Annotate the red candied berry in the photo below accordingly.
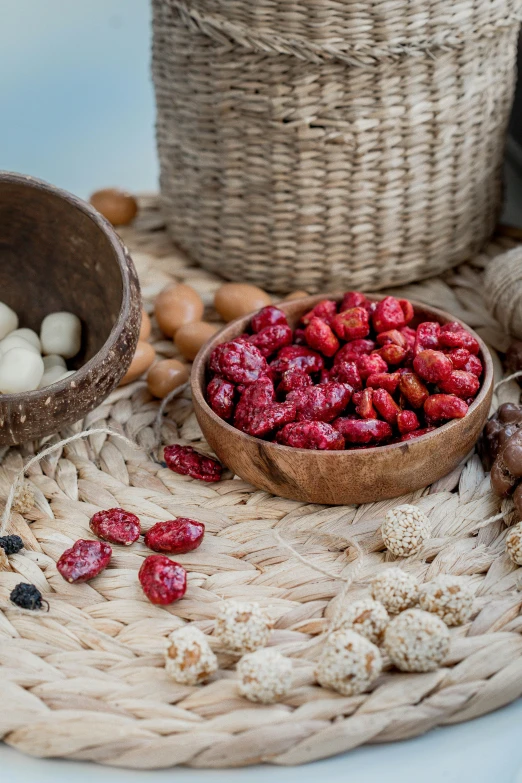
(311, 435)
(388, 315)
(363, 430)
(427, 336)
(353, 299)
(369, 365)
(392, 336)
(84, 560)
(116, 525)
(294, 379)
(407, 309)
(384, 380)
(325, 310)
(364, 404)
(176, 536)
(346, 372)
(392, 354)
(416, 433)
(163, 581)
(461, 384)
(324, 376)
(259, 422)
(321, 403)
(272, 338)
(239, 362)
(189, 462)
(410, 335)
(432, 366)
(386, 405)
(217, 353)
(474, 366)
(351, 324)
(453, 335)
(459, 357)
(413, 389)
(299, 357)
(439, 407)
(407, 421)
(319, 336)
(299, 337)
(257, 394)
(268, 316)
(220, 395)
(352, 350)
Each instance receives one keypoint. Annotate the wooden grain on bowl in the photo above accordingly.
(341, 477)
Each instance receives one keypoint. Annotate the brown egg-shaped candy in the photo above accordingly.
(116, 205)
(511, 454)
(502, 481)
(296, 295)
(143, 358)
(191, 337)
(232, 300)
(145, 327)
(165, 376)
(177, 305)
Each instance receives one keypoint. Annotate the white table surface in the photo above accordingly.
(78, 110)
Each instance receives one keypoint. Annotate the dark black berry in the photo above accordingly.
(11, 544)
(27, 596)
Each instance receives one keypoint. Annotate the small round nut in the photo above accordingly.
(449, 597)
(514, 543)
(242, 627)
(349, 663)
(405, 529)
(416, 641)
(23, 499)
(367, 617)
(189, 659)
(264, 676)
(395, 590)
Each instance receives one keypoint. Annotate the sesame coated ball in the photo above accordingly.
(367, 617)
(349, 663)
(242, 627)
(264, 676)
(23, 499)
(514, 543)
(189, 659)
(405, 529)
(395, 590)
(449, 597)
(416, 641)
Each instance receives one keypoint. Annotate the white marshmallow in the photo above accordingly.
(53, 360)
(29, 335)
(14, 341)
(53, 375)
(61, 333)
(8, 320)
(21, 370)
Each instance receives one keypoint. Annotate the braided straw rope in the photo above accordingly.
(318, 145)
(86, 679)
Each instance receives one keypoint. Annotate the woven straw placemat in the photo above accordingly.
(86, 680)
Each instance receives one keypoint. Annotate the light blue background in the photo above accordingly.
(77, 109)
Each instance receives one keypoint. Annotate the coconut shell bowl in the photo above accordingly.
(340, 477)
(57, 253)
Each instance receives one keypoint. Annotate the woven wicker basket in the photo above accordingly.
(313, 144)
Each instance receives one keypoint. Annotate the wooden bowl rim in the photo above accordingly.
(200, 363)
(123, 260)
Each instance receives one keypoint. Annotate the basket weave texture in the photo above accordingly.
(86, 680)
(316, 145)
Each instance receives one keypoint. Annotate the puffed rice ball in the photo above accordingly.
(23, 499)
(189, 659)
(349, 663)
(449, 597)
(264, 676)
(367, 617)
(242, 627)
(416, 641)
(395, 589)
(514, 543)
(404, 530)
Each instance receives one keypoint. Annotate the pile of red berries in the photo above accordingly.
(349, 376)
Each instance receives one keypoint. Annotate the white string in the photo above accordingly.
(506, 380)
(38, 457)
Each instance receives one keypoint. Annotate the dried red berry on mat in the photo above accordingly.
(189, 462)
(432, 366)
(310, 435)
(321, 403)
(221, 395)
(176, 536)
(84, 560)
(268, 316)
(388, 315)
(163, 581)
(272, 338)
(238, 361)
(325, 310)
(351, 324)
(363, 430)
(439, 407)
(453, 335)
(320, 337)
(116, 525)
(461, 383)
(297, 357)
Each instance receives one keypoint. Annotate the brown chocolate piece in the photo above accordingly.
(500, 427)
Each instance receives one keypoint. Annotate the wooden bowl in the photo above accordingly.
(58, 253)
(340, 477)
